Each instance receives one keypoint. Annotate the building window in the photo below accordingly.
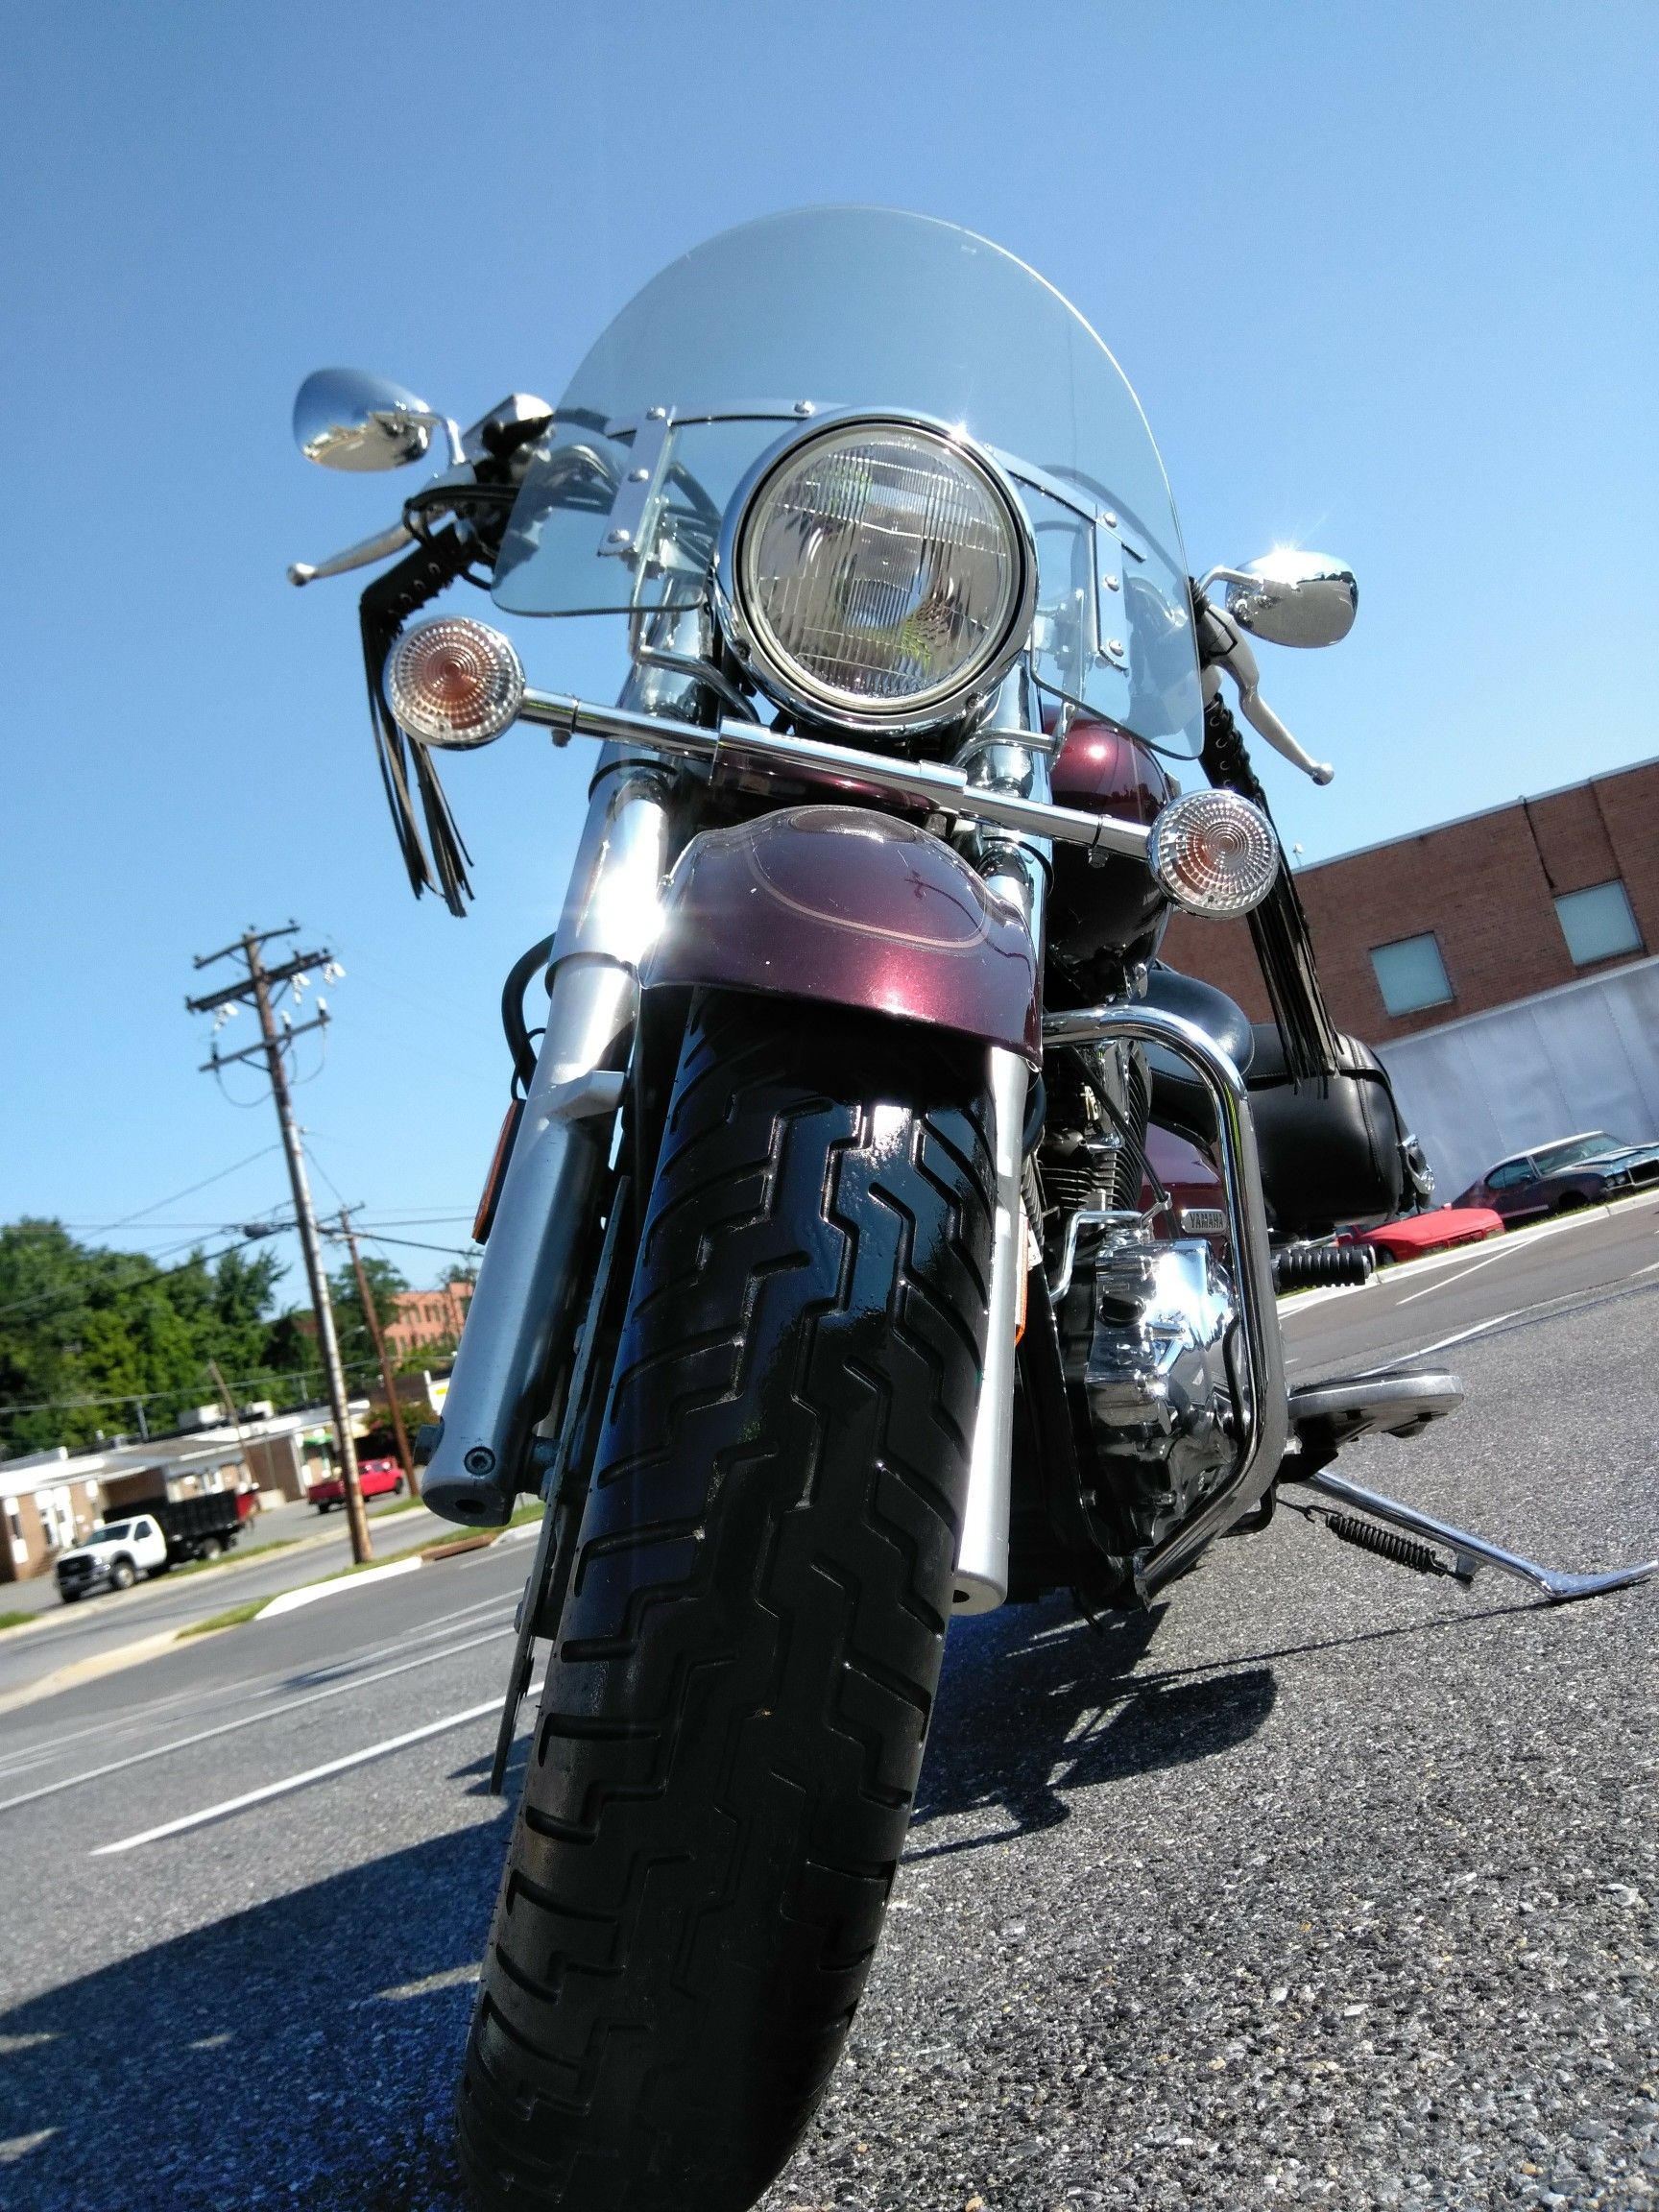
(1411, 975)
(1597, 924)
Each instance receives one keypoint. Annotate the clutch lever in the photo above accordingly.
(1236, 656)
(363, 555)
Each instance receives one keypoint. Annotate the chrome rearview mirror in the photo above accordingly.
(344, 419)
(1292, 597)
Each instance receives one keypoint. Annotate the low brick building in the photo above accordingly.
(1468, 915)
(1503, 964)
(422, 1319)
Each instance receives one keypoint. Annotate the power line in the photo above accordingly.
(189, 1192)
(295, 1375)
(416, 1244)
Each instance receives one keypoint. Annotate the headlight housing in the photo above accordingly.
(877, 572)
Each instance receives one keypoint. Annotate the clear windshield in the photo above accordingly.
(797, 315)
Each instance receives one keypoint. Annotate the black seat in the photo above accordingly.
(1179, 1099)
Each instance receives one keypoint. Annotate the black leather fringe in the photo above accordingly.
(1279, 926)
(438, 861)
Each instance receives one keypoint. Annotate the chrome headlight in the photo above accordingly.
(877, 572)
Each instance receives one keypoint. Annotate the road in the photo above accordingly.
(97, 1627)
(1321, 1885)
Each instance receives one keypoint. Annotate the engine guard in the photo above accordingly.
(853, 908)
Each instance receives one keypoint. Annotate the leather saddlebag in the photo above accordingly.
(1334, 1154)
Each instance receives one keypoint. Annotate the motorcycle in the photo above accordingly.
(880, 1232)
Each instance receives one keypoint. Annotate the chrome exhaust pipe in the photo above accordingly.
(528, 1278)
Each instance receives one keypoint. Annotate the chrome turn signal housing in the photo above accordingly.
(1213, 852)
(455, 682)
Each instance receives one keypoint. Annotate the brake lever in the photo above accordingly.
(1240, 661)
(363, 555)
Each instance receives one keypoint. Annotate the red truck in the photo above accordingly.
(376, 1479)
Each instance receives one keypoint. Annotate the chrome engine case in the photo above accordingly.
(1155, 1374)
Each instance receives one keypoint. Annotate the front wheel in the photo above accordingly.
(731, 1724)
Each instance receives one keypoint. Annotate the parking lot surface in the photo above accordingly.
(1321, 1884)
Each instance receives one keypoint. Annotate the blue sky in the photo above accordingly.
(1383, 275)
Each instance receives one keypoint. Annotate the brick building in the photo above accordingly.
(1502, 965)
(422, 1319)
(1469, 915)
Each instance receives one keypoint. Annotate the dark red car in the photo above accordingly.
(1558, 1178)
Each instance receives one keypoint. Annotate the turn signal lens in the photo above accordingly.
(1213, 852)
(454, 681)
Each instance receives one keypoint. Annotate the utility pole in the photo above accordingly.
(404, 1457)
(256, 986)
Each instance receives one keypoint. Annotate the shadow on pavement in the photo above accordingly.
(1036, 1703)
(301, 2053)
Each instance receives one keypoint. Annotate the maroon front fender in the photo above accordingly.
(855, 909)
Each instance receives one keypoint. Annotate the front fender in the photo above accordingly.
(857, 909)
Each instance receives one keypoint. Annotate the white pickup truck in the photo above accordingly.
(116, 1554)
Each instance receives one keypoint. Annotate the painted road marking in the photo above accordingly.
(249, 1720)
(290, 1782)
(1446, 1281)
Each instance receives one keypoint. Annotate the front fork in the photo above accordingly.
(528, 1279)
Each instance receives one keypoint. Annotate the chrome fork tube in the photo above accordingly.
(528, 1278)
(1008, 760)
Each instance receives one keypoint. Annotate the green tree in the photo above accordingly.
(89, 1335)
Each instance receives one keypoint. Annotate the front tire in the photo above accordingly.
(122, 1575)
(731, 1724)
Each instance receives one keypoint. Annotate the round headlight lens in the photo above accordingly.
(454, 681)
(1213, 852)
(881, 571)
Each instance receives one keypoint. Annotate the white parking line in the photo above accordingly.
(303, 1781)
(1446, 1282)
(249, 1720)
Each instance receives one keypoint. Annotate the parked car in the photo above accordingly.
(1441, 1229)
(1574, 1171)
(112, 1557)
(376, 1479)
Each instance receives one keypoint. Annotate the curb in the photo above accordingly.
(308, 1593)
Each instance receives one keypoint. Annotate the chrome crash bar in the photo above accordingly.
(1268, 1417)
(744, 745)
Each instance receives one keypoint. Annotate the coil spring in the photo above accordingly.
(1387, 1544)
(1320, 1267)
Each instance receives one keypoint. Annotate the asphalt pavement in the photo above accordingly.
(94, 1628)
(1321, 1884)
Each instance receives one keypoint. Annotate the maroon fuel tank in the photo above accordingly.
(855, 909)
(1109, 907)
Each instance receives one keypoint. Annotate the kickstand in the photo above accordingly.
(1470, 1552)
